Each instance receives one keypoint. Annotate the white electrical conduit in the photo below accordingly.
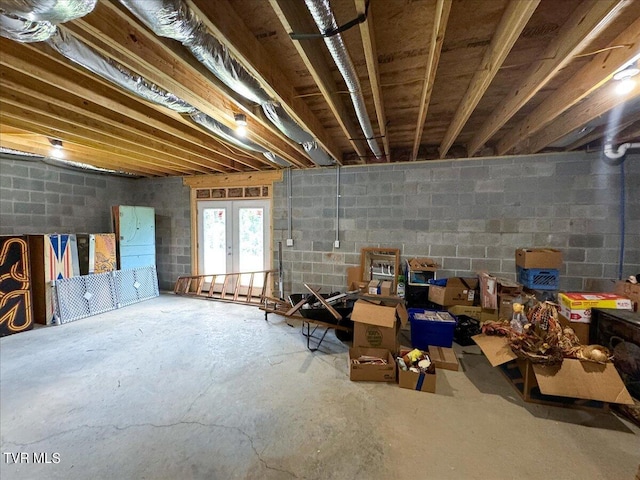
(323, 16)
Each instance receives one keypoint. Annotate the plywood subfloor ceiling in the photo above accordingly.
(437, 78)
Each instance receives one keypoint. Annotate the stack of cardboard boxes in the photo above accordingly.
(377, 323)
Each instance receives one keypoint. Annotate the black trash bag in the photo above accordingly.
(466, 328)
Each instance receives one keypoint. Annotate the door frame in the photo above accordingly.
(232, 233)
(206, 187)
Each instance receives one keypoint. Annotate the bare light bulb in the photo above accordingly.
(625, 86)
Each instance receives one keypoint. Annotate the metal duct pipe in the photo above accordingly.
(107, 68)
(54, 11)
(23, 30)
(174, 19)
(323, 16)
(84, 55)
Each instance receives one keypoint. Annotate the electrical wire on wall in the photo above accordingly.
(336, 244)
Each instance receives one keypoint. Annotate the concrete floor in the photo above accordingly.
(182, 388)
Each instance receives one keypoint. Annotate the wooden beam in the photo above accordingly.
(629, 134)
(38, 61)
(588, 20)
(166, 63)
(441, 17)
(370, 49)
(371, 57)
(39, 145)
(52, 126)
(588, 79)
(87, 127)
(606, 132)
(114, 124)
(233, 180)
(598, 104)
(513, 21)
(229, 28)
(295, 17)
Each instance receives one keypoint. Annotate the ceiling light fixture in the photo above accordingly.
(624, 77)
(56, 148)
(241, 122)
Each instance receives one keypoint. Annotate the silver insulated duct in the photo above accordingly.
(54, 11)
(23, 30)
(174, 19)
(323, 16)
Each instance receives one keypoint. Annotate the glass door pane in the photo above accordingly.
(214, 248)
(251, 243)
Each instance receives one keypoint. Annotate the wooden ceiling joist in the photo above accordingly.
(295, 18)
(443, 8)
(607, 132)
(591, 77)
(371, 57)
(227, 26)
(597, 105)
(165, 63)
(55, 128)
(108, 159)
(54, 71)
(587, 21)
(515, 18)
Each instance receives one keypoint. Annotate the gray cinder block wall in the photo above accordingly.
(468, 215)
(36, 197)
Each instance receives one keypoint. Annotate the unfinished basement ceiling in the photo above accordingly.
(433, 79)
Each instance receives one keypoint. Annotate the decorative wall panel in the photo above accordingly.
(53, 257)
(16, 310)
(96, 252)
(135, 232)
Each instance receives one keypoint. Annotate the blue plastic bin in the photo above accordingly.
(539, 279)
(425, 332)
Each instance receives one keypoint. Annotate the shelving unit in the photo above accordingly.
(380, 263)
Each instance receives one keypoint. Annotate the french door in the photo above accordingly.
(234, 236)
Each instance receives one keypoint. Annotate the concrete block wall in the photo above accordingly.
(469, 215)
(36, 197)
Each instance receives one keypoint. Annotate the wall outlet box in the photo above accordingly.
(289, 242)
(336, 244)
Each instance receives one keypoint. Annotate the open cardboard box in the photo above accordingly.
(362, 372)
(377, 324)
(458, 291)
(571, 378)
(422, 382)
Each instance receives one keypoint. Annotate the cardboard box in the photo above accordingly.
(354, 278)
(444, 358)
(374, 287)
(376, 325)
(576, 307)
(458, 291)
(538, 258)
(386, 288)
(371, 373)
(629, 290)
(423, 382)
(572, 378)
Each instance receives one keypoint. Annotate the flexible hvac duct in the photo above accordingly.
(23, 30)
(323, 16)
(84, 55)
(222, 131)
(174, 19)
(54, 11)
